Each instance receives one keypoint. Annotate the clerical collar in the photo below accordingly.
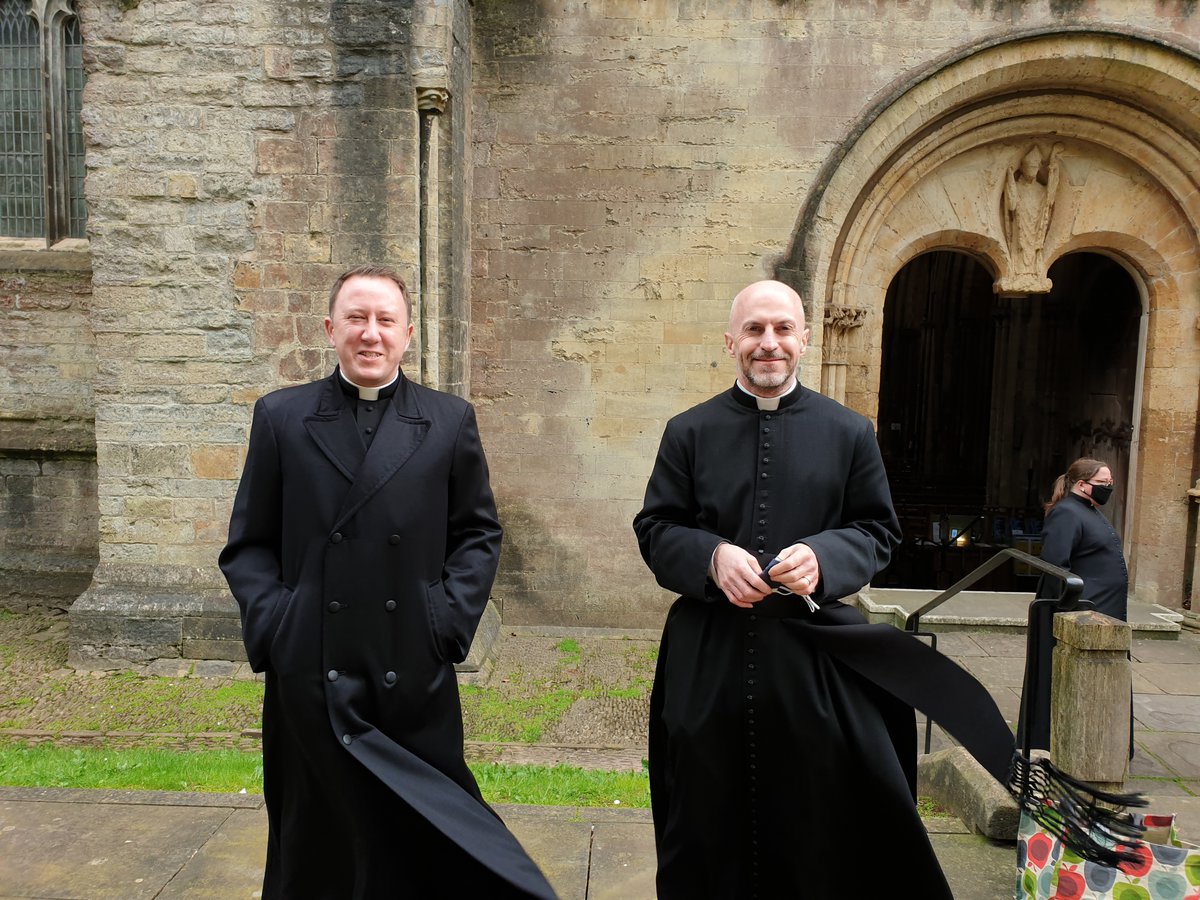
(767, 404)
(368, 393)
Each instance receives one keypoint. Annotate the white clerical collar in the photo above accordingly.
(768, 403)
(368, 393)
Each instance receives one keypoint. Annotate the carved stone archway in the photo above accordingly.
(1099, 131)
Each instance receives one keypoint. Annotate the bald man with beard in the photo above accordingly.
(775, 770)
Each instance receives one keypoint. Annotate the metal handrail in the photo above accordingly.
(1070, 600)
(1072, 583)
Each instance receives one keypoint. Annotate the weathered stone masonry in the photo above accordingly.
(575, 192)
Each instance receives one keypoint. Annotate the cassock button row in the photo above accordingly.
(766, 431)
(762, 521)
(389, 678)
(390, 606)
(332, 675)
(335, 538)
(393, 539)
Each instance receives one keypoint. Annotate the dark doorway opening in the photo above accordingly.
(985, 400)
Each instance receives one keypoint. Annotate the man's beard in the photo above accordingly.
(769, 380)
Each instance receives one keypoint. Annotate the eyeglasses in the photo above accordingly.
(1100, 483)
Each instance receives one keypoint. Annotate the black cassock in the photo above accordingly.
(775, 771)
(361, 573)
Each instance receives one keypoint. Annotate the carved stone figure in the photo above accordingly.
(1027, 205)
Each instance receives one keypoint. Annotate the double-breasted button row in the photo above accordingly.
(333, 675)
(337, 537)
(337, 606)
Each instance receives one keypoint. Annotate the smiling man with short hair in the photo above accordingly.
(362, 548)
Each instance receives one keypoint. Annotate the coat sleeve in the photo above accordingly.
(859, 544)
(675, 549)
(1060, 534)
(251, 559)
(473, 536)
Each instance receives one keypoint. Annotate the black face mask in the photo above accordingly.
(1101, 493)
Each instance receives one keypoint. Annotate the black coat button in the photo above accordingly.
(393, 539)
(334, 606)
(332, 675)
(347, 739)
(390, 606)
(335, 538)
(389, 678)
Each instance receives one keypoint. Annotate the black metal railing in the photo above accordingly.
(1067, 601)
(1072, 584)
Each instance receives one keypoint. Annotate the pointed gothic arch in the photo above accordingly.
(1102, 133)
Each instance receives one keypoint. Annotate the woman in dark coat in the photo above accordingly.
(1075, 536)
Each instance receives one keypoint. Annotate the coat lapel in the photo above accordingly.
(400, 433)
(333, 429)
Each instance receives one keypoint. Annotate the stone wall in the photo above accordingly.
(609, 174)
(240, 155)
(48, 504)
(638, 163)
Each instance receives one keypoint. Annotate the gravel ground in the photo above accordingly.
(606, 676)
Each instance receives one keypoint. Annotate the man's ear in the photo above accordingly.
(329, 331)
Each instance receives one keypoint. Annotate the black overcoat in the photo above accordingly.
(775, 770)
(1077, 537)
(361, 576)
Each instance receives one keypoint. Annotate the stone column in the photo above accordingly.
(1091, 699)
(839, 321)
(431, 103)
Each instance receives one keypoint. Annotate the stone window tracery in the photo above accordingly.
(41, 135)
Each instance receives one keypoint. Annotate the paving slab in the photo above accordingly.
(1168, 712)
(1170, 678)
(96, 851)
(1179, 752)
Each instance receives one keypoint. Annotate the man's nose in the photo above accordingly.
(370, 331)
(768, 339)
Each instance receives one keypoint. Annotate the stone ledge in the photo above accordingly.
(954, 780)
(200, 632)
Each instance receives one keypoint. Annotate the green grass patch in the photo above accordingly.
(188, 705)
(571, 652)
(561, 786)
(221, 771)
(232, 771)
(488, 715)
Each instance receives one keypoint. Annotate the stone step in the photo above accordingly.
(993, 611)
